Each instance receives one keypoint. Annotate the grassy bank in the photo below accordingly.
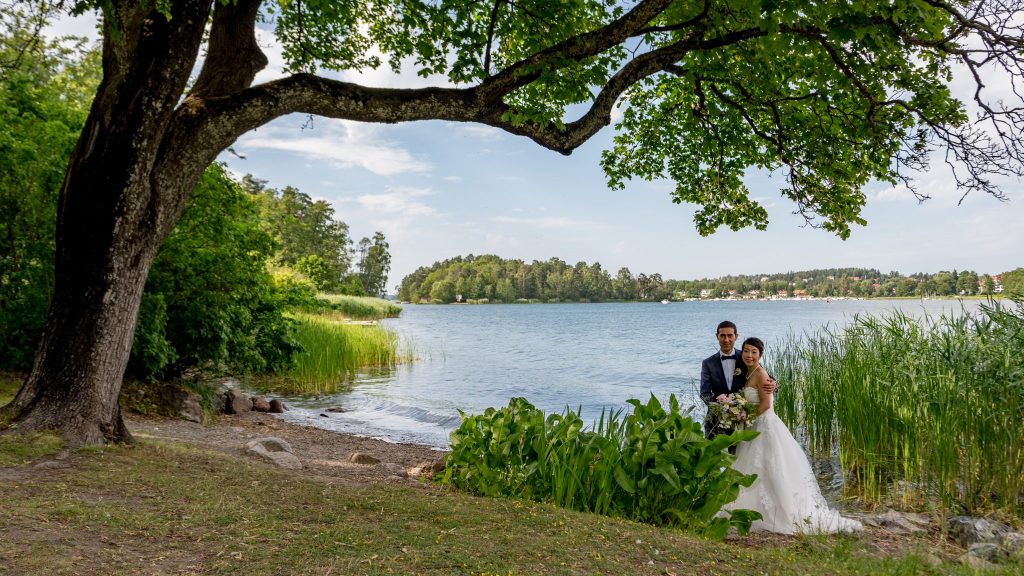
(332, 352)
(163, 508)
(359, 307)
(919, 412)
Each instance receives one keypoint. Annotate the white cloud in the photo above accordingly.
(347, 144)
(399, 212)
(400, 201)
(453, 178)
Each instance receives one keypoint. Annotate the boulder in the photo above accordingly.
(181, 402)
(260, 404)
(270, 444)
(235, 402)
(221, 386)
(902, 523)
(986, 551)
(976, 563)
(1012, 546)
(192, 410)
(968, 530)
(277, 407)
(361, 458)
(275, 450)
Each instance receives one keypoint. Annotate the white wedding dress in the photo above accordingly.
(786, 492)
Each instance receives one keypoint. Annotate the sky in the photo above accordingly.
(441, 189)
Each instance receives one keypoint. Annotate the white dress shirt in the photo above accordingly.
(729, 367)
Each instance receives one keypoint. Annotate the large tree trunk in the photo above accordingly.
(115, 208)
(146, 144)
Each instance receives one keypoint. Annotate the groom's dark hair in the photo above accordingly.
(727, 324)
(755, 342)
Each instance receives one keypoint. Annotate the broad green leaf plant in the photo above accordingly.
(653, 465)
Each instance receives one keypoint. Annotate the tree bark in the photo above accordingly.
(113, 214)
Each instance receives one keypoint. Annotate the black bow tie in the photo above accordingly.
(729, 357)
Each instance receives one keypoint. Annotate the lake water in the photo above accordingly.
(589, 356)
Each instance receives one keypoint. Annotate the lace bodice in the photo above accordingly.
(750, 393)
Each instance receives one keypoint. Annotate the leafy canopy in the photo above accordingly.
(830, 95)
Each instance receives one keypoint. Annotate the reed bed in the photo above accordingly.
(358, 307)
(919, 411)
(332, 352)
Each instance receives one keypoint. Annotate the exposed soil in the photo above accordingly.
(322, 453)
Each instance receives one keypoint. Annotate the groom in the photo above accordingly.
(723, 373)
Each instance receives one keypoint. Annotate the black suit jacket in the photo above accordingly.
(712, 378)
(713, 383)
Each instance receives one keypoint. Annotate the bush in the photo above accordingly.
(209, 300)
(652, 466)
(44, 100)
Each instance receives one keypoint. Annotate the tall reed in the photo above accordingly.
(332, 352)
(917, 410)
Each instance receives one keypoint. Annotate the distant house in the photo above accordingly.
(800, 292)
(782, 293)
(754, 293)
(732, 292)
(705, 293)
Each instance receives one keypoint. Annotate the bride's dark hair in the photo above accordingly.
(756, 343)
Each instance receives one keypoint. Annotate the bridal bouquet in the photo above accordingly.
(734, 411)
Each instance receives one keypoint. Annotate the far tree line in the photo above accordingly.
(491, 278)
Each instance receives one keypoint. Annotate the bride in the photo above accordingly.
(786, 492)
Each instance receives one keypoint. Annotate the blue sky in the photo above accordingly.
(440, 189)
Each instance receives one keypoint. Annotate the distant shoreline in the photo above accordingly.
(774, 299)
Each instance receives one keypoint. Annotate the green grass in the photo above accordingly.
(922, 413)
(9, 385)
(19, 449)
(159, 508)
(333, 351)
(360, 307)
